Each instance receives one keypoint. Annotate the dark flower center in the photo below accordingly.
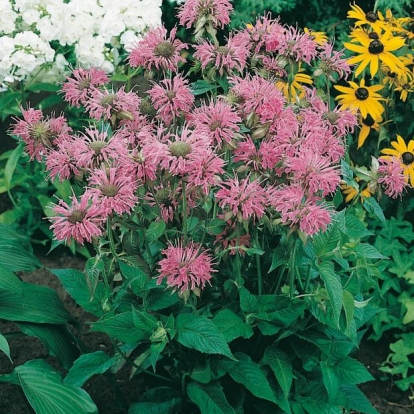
(368, 121)
(109, 190)
(84, 84)
(40, 132)
(375, 47)
(164, 49)
(362, 94)
(77, 216)
(371, 16)
(180, 149)
(97, 146)
(146, 108)
(162, 196)
(171, 95)
(373, 35)
(407, 158)
(215, 125)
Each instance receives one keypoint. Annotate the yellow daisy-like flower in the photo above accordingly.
(405, 153)
(367, 124)
(361, 97)
(292, 90)
(319, 37)
(405, 89)
(370, 18)
(374, 48)
(352, 193)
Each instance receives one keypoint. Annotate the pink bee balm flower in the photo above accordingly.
(156, 51)
(391, 176)
(80, 221)
(78, 89)
(61, 162)
(213, 12)
(171, 97)
(217, 120)
(185, 268)
(332, 61)
(226, 59)
(112, 191)
(245, 199)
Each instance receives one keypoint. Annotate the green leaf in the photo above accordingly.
(57, 339)
(231, 325)
(45, 391)
(354, 228)
(4, 347)
(11, 165)
(330, 380)
(200, 333)
(34, 304)
(372, 206)
(351, 371)
(51, 100)
(248, 302)
(334, 288)
(356, 400)
(349, 307)
(144, 321)
(199, 87)
(367, 251)
(158, 400)
(9, 281)
(86, 366)
(94, 267)
(155, 231)
(76, 285)
(44, 87)
(249, 374)
(281, 367)
(158, 299)
(324, 243)
(136, 271)
(209, 398)
(216, 226)
(202, 373)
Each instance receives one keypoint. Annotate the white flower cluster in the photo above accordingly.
(36, 35)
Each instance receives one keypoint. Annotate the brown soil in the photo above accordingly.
(384, 396)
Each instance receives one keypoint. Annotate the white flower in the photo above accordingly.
(7, 17)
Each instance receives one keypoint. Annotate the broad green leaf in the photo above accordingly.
(231, 325)
(4, 347)
(35, 303)
(9, 281)
(11, 216)
(248, 302)
(280, 309)
(155, 231)
(11, 165)
(136, 271)
(334, 288)
(367, 251)
(216, 226)
(158, 299)
(351, 371)
(45, 391)
(209, 398)
(156, 349)
(51, 100)
(249, 374)
(349, 307)
(356, 400)
(158, 400)
(324, 243)
(409, 314)
(76, 285)
(372, 206)
(15, 251)
(354, 228)
(120, 326)
(199, 87)
(330, 380)
(202, 373)
(94, 267)
(144, 321)
(281, 367)
(57, 339)
(86, 366)
(43, 86)
(200, 333)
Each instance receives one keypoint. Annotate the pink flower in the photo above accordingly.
(81, 221)
(214, 12)
(391, 176)
(78, 89)
(156, 51)
(40, 134)
(163, 197)
(331, 61)
(112, 191)
(61, 162)
(94, 147)
(171, 97)
(228, 239)
(217, 120)
(314, 218)
(137, 166)
(185, 268)
(245, 199)
(226, 59)
(111, 105)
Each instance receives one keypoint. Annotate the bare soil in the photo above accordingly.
(384, 396)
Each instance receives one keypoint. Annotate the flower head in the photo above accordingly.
(185, 267)
(391, 176)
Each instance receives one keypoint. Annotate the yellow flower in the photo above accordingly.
(405, 89)
(370, 18)
(292, 90)
(319, 37)
(374, 48)
(367, 124)
(405, 153)
(362, 98)
(352, 193)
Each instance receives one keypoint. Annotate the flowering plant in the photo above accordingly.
(223, 272)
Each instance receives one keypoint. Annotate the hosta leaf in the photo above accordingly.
(4, 346)
(88, 365)
(209, 398)
(281, 367)
(200, 333)
(231, 325)
(249, 374)
(9, 281)
(45, 391)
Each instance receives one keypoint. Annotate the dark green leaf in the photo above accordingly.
(49, 101)
(4, 346)
(45, 391)
(199, 87)
(231, 325)
(281, 367)
(330, 380)
(248, 302)
(356, 400)
(200, 333)
(372, 206)
(11, 165)
(158, 400)
(45, 87)
(209, 398)
(351, 371)
(366, 251)
(155, 231)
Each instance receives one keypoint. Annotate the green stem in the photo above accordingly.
(184, 212)
(292, 268)
(258, 265)
(308, 277)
